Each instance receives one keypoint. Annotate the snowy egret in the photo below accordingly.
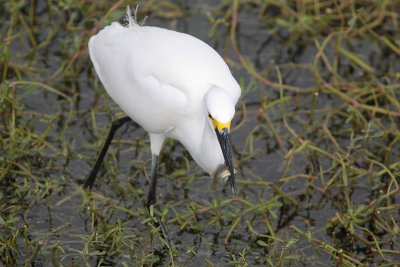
(174, 86)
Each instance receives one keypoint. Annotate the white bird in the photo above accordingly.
(174, 86)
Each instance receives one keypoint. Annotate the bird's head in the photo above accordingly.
(221, 109)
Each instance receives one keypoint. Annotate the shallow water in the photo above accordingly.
(198, 218)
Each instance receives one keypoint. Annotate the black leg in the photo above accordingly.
(151, 198)
(114, 127)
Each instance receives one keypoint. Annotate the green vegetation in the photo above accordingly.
(316, 135)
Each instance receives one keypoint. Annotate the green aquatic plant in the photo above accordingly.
(316, 140)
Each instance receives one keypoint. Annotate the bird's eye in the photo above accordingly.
(209, 115)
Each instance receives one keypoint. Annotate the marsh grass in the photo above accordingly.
(316, 140)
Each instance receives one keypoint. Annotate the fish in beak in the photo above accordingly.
(222, 131)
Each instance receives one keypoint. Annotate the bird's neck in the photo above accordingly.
(200, 140)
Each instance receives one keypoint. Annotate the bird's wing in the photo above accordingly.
(126, 74)
(179, 59)
(173, 69)
(162, 94)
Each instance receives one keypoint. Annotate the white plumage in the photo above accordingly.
(168, 82)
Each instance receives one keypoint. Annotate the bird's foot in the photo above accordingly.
(156, 219)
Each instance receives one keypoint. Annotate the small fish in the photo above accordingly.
(221, 176)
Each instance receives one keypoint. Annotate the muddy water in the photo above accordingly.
(79, 126)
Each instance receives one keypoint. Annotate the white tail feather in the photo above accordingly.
(131, 20)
